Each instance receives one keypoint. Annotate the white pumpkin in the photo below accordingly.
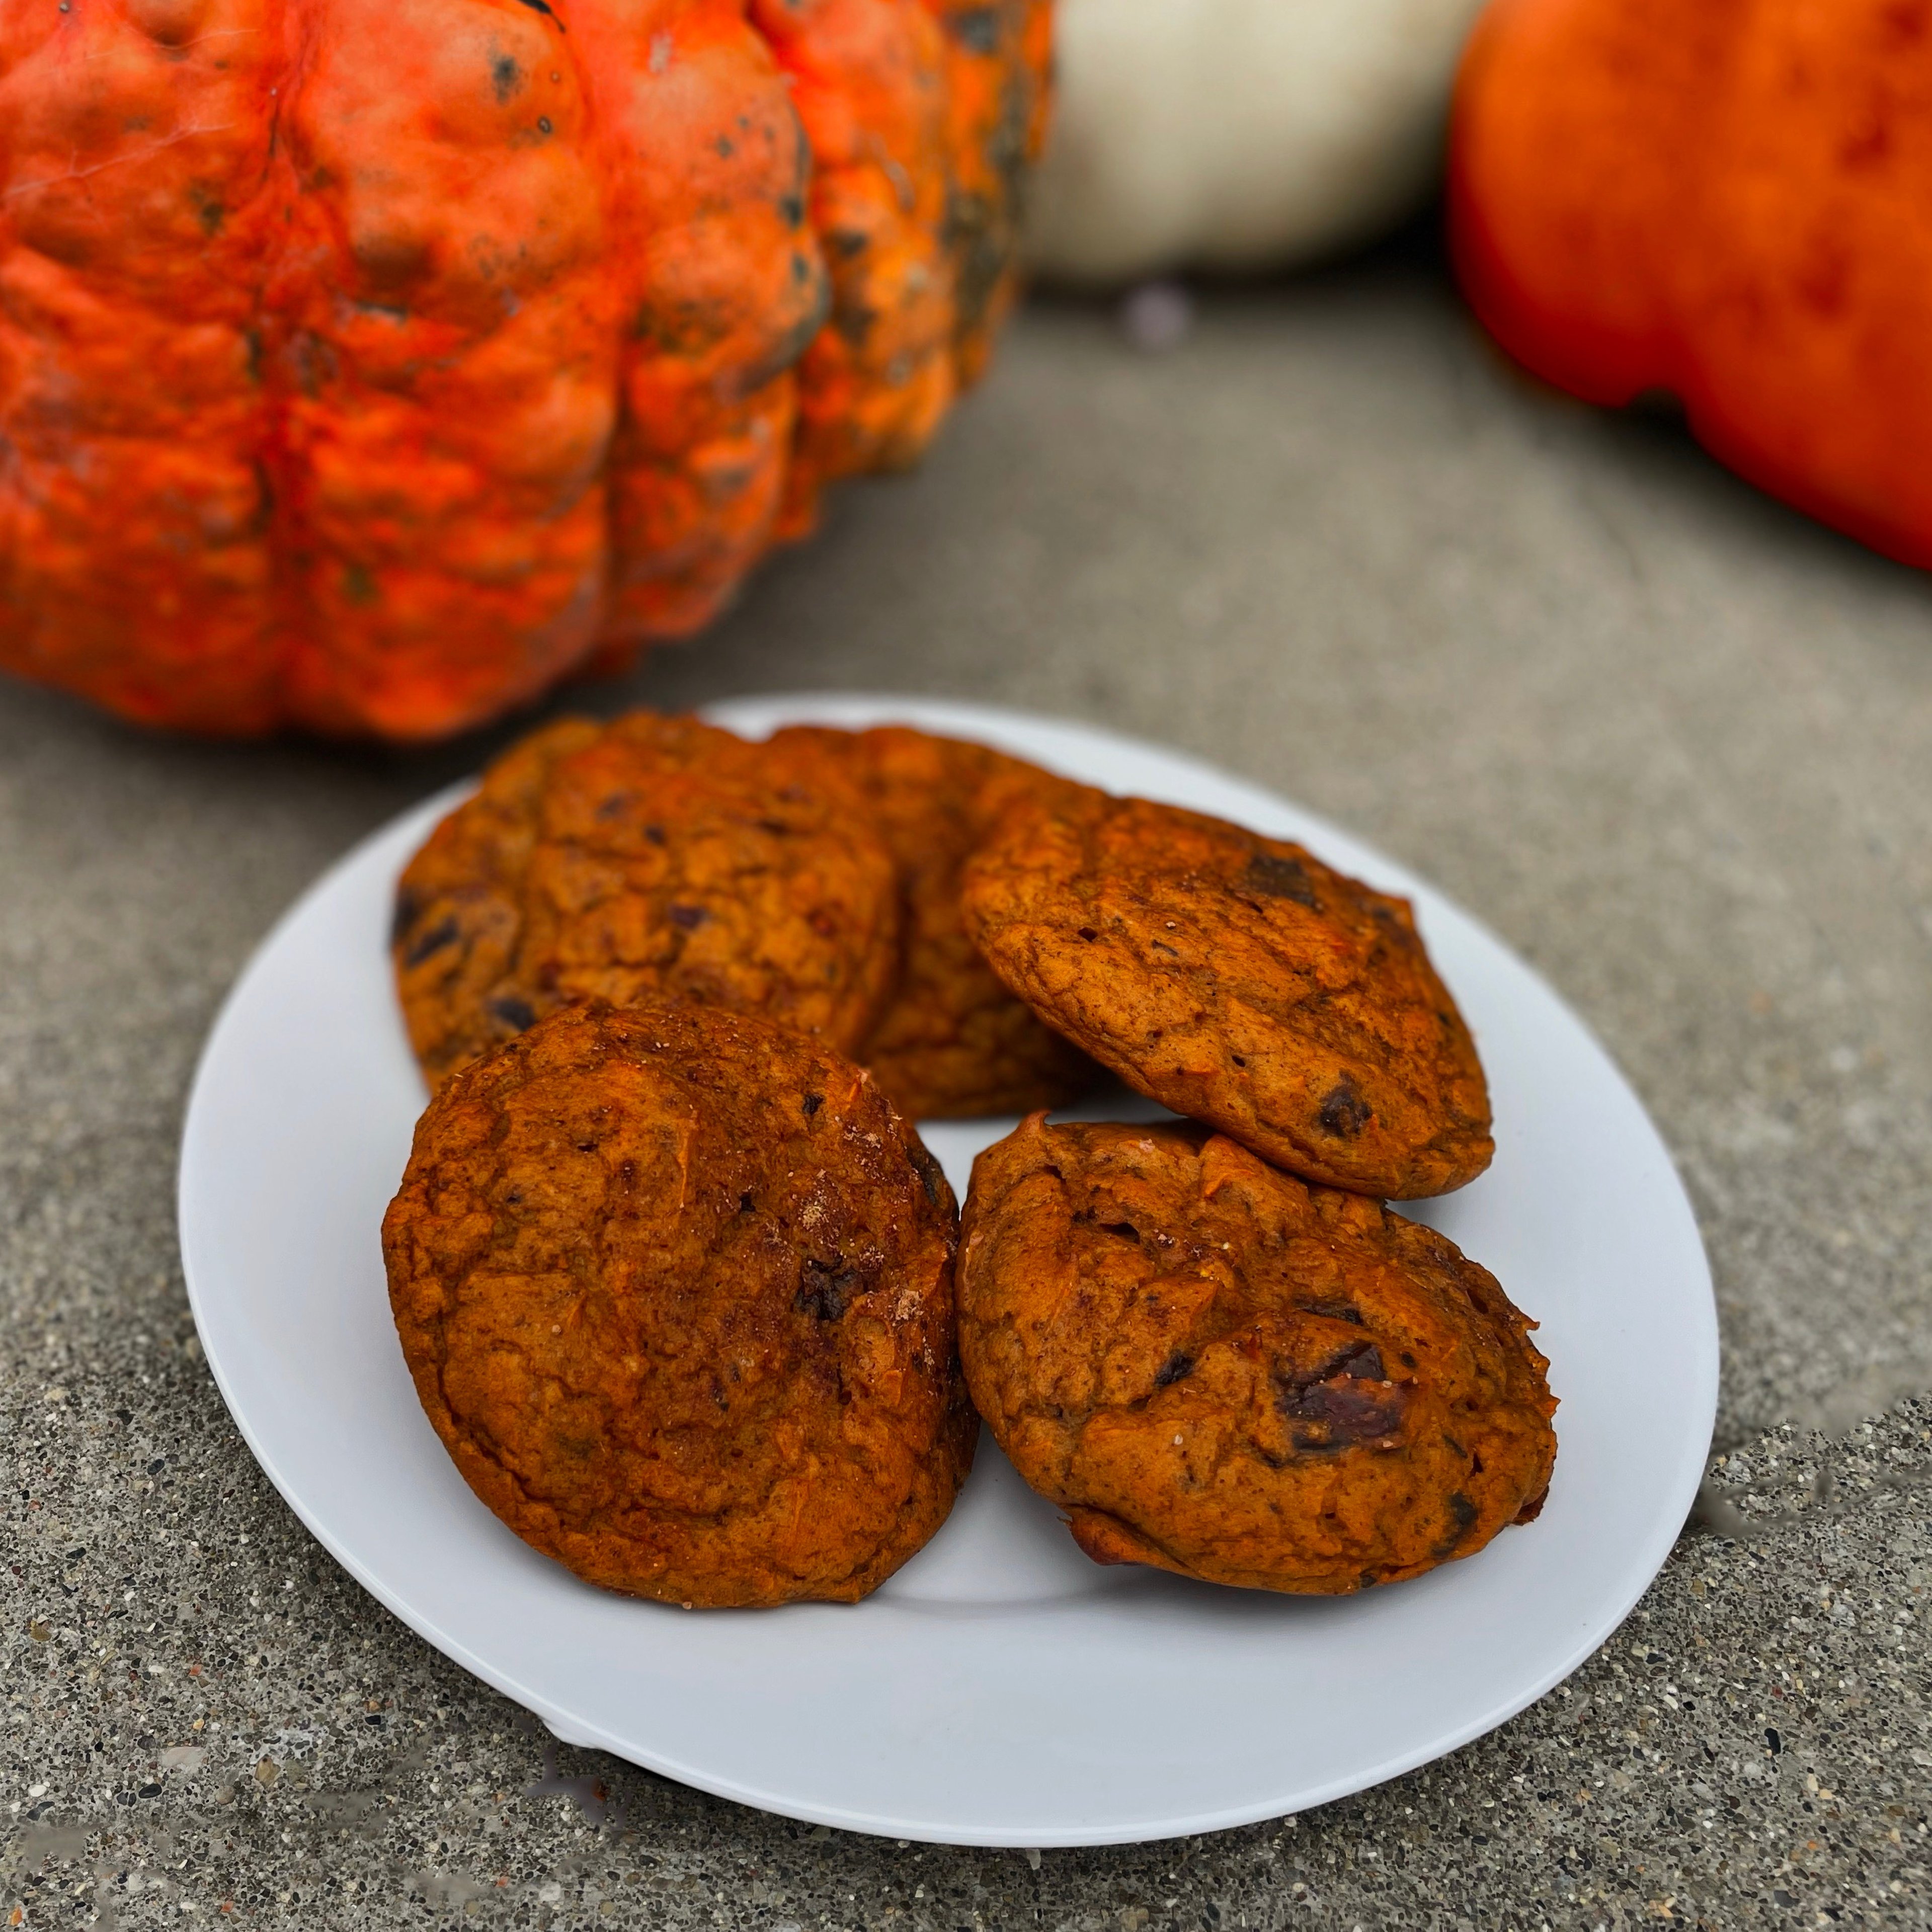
(1238, 133)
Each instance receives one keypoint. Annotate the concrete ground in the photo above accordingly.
(1673, 742)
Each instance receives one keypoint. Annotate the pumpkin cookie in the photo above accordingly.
(1239, 981)
(1218, 1370)
(654, 858)
(676, 1287)
(953, 1042)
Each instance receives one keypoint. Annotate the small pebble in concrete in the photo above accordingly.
(1157, 317)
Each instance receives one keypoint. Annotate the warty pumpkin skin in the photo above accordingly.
(869, 83)
(1731, 201)
(999, 61)
(367, 368)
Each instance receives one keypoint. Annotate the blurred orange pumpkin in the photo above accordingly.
(368, 367)
(1731, 200)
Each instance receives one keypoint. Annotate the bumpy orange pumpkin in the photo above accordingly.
(369, 366)
(1729, 200)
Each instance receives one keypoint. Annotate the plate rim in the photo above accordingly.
(960, 717)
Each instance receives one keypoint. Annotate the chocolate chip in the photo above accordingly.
(408, 911)
(813, 1101)
(1350, 1412)
(514, 1012)
(1465, 1513)
(1336, 1311)
(686, 918)
(1278, 878)
(1341, 1364)
(931, 1175)
(443, 933)
(655, 833)
(1087, 932)
(1347, 1401)
(1344, 1112)
(745, 1204)
(825, 1288)
(1177, 1366)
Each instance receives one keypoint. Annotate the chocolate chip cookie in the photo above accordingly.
(1216, 1370)
(1237, 980)
(654, 858)
(676, 1286)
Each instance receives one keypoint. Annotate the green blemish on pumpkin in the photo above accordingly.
(359, 586)
(976, 29)
(208, 208)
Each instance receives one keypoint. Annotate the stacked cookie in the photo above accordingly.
(812, 880)
(676, 1279)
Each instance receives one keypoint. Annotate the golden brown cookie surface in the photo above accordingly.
(953, 1042)
(656, 857)
(1239, 981)
(676, 1288)
(1220, 1371)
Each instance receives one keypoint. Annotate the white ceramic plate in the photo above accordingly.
(1000, 1690)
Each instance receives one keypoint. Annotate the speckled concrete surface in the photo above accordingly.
(1673, 742)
